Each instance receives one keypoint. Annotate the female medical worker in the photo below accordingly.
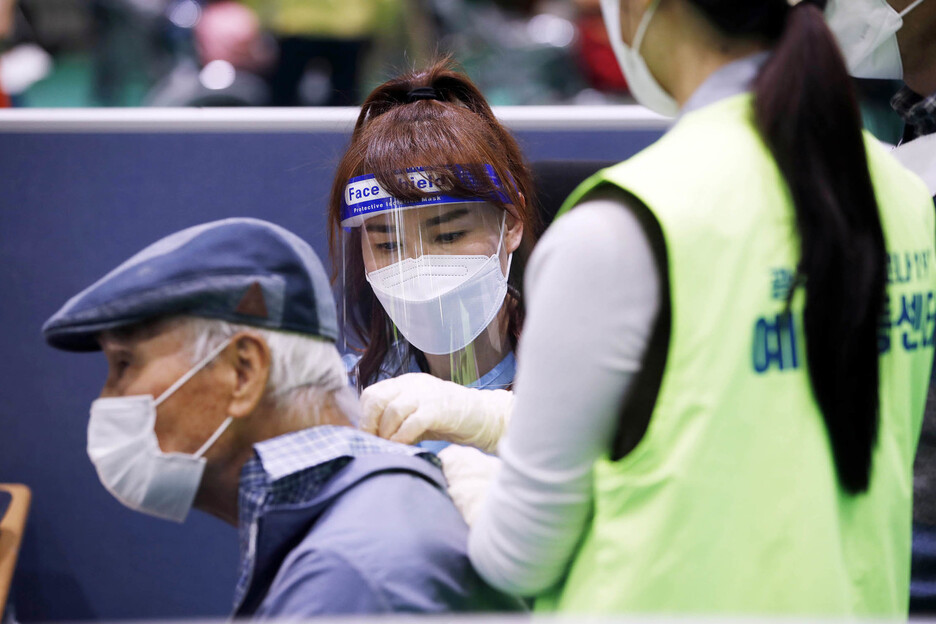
(728, 344)
(430, 204)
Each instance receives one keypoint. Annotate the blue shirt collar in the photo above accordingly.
(394, 364)
(500, 377)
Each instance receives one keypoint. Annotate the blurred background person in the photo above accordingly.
(594, 50)
(231, 54)
(322, 46)
(125, 52)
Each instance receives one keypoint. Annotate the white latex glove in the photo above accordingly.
(469, 473)
(417, 406)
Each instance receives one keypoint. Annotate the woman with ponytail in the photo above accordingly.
(431, 219)
(728, 343)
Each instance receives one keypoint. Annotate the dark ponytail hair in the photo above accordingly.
(807, 112)
(433, 118)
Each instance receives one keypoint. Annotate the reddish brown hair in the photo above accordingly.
(394, 132)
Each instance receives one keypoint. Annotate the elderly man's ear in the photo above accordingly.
(249, 356)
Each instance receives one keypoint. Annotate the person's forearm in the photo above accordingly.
(529, 526)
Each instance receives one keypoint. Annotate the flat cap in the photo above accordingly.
(244, 271)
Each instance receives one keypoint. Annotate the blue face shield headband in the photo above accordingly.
(364, 197)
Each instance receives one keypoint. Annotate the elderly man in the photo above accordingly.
(231, 326)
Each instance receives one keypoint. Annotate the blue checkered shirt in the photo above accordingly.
(292, 469)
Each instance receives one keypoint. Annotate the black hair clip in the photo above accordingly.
(423, 93)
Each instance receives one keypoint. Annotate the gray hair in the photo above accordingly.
(304, 370)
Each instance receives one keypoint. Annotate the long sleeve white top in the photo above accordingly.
(593, 293)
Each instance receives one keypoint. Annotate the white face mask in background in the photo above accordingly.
(643, 86)
(123, 447)
(442, 303)
(866, 31)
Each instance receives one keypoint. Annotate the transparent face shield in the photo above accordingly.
(438, 271)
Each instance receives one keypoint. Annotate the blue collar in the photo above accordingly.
(500, 377)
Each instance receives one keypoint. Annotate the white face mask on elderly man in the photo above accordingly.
(866, 31)
(123, 447)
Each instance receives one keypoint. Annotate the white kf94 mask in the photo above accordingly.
(123, 447)
(866, 31)
(441, 303)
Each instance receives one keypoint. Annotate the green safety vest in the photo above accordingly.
(730, 503)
